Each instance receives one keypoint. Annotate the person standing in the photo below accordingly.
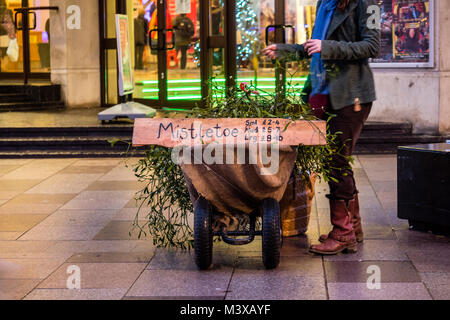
(184, 31)
(141, 29)
(345, 35)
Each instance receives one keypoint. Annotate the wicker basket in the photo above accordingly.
(296, 206)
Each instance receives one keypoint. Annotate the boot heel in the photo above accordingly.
(351, 249)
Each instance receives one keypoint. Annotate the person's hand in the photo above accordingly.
(313, 46)
(271, 51)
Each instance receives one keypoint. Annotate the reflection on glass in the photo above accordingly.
(40, 38)
(11, 57)
(183, 54)
(253, 17)
(301, 14)
(144, 16)
(183, 62)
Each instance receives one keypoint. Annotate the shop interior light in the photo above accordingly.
(145, 82)
(199, 97)
(183, 89)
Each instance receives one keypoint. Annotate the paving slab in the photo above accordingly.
(120, 173)
(9, 235)
(182, 283)
(120, 230)
(35, 203)
(19, 223)
(7, 168)
(356, 271)
(267, 285)
(9, 188)
(79, 218)
(72, 247)
(128, 214)
(83, 294)
(16, 289)
(97, 162)
(112, 257)
(96, 275)
(431, 257)
(38, 169)
(166, 259)
(65, 183)
(310, 265)
(22, 249)
(438, 284)
(86, 169)
(28, 268)
(388, 291)
(115, 185)
(62, 232)
(104, 200)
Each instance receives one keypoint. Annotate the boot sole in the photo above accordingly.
(350, 249)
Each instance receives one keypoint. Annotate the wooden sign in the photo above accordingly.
(175, 132)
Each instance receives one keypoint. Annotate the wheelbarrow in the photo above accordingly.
(225, 188)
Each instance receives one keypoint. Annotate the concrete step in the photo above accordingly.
(13, 97)
(30, 97)
(30, 106)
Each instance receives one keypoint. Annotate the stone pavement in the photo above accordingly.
(57, 213)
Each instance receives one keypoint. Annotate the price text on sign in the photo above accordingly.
(174, 132)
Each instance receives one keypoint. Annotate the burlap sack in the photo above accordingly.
(238, 188)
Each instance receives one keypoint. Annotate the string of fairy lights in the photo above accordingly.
(247, 28)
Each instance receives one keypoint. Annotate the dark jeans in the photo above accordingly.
(183, 50)
(350, 123)
(139, 57)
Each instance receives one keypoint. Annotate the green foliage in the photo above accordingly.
(165, 198)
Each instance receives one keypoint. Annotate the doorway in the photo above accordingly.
(26, 23)
(180, 45)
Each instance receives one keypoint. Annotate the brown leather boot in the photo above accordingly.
(342, 237)
(356, 219)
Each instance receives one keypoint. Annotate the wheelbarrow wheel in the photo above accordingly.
(203, 235)
(271, 233)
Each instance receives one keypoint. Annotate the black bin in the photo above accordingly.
(423, 173)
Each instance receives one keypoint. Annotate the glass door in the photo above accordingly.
(253, 18)
(10, 65)
(25, 39)
(301, 15)
(183, 55)
(167, 52)
(264, 22)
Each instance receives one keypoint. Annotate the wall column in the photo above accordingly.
(444, 66)
(75, 58)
